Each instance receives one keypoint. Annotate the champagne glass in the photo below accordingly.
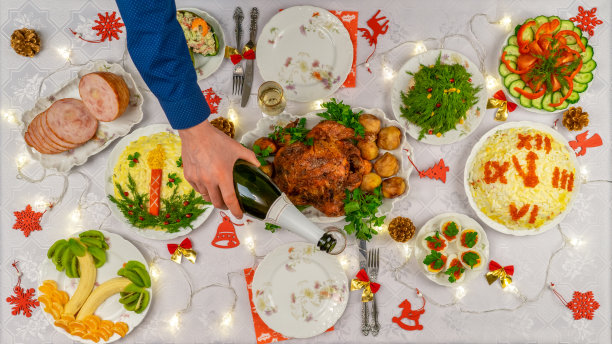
(271, 98)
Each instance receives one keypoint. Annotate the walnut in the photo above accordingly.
(575, 119)
(25, 42)
(225, 125)
(401, 229)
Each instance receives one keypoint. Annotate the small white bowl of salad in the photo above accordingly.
(205, 40)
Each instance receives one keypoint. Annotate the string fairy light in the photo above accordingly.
(506, 23)
(317, 104)
(232, 115)
(460, 292)
(227, 319)
(492, 82)
(65, 53)
(10, 117)
(21, 160)
(419, 48)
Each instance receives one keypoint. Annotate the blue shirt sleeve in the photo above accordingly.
(157, 47)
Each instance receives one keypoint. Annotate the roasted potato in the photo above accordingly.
(387, 165)
(370, 182)
(393, 187)
(369, 149)
(268, 169)
(264, 143)
(370, 123)
(389, 138)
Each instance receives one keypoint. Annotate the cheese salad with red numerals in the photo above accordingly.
(522, 178)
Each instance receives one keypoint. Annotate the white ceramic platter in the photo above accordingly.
(307, 50)
(120, 251)
(466, 222)
(109, 188)
(266, 125)
(498, 226)
(299, 290)
(403, 82)
(107, 131)
(206, 65)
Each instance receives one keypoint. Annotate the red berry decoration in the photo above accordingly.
(135, 160)
(470, 80)
(178, 220)
(171, 180)
(165, 222)
(438, 105)
(141, 218)
(167, 216)
(130, 212)
(429, 90)
(126, 193)
(131, 205)
(186, 203)
(188, 215)
(452, 80)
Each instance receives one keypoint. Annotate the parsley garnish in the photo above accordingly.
(133, 158)
(451, 272)
(272, 227)
(262, 154)
(435, 240)
(297, 133)
(451, 230)
(361, 209)
(435, 258)
(173, 180)
(471, 258)
(179, 162)
(470, 239)
(344, 115)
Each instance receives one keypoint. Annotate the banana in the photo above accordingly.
(141, 270)
(144, 303)
(54, 247)
(98, 254)
(76, 247)
(92, 234)
(129, 298)
(101, 293)
(88, 272)
(132, 276)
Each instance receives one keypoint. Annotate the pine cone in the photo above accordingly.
(401, 229)
(574, 119)
(225, 125)
(25, 42)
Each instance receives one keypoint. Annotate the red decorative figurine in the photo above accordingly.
(410, 314)
(108, 28)
(23, 300)
(212, 99)
(378, 29)
(583, 305)
(586, 20)
(583, 143)
(28, 220)
(226, 233)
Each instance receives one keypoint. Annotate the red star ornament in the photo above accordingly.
(108, 26)
(28, 220)
(583, 305)
(23, 302)
(586, 20)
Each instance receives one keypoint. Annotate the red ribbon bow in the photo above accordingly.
(184, 249)
(186, 244)
(493, 265)
(235, 56)
(362, 275)
(502, 96)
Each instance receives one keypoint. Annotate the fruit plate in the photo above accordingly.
(266, 125)
(120, 251)
(511, 80)
(544, 170)
(109, 188)
(207, 65)
(300, 291)
(433, 225)
(107, 131)
(403, 81)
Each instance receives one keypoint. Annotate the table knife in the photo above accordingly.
(363, 264)
(238, 17)
(248, 77)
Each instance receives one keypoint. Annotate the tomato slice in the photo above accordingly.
(556, 85)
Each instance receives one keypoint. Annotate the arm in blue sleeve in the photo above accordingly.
(157, 46)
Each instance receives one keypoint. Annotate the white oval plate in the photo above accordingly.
(206, 65)
(496, 225)
(120, 251)
(299, 290)
(266, 125)
(107, 131)
(466, 222)
(109, 188)
(403, 81)
(299, 43)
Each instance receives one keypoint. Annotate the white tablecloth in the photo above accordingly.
(543, 320)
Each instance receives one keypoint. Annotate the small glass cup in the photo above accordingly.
(271, 98)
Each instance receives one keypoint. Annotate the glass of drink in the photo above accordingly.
(271, 98)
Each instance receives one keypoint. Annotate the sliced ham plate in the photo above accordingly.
(105, 94)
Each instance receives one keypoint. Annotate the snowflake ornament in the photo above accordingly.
(586, 20)
(28, 220)
(583, 305)
(23, 302)
(108, 26)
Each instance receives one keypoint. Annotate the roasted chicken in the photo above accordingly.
(318, 175)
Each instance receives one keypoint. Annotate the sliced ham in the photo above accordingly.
(34, 139)
(69, 120)
(105, 94)
(50, 135)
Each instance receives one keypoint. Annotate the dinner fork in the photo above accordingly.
(373, 263)
(238, 74)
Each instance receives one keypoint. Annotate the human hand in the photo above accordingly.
(208, 162)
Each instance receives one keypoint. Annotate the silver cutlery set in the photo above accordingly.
(242, 78)
(369, 260)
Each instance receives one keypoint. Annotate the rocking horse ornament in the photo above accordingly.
(377, 28)
(410, 314)
(226, 233)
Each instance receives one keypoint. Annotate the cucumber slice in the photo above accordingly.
(512, 58)
(526, 102)
(563, 105)
(503, 70)
(508, 80)
(556, 97)
(587, 54)
(546, 102)
(566, 25)
(579, 87)
(584, 78)
(550, 19)
(512, 50)
(528, 35)
(512, 41)
(584, 41)
(588, 67)
(578, 31)
(573, 98)
(571, 41)
(575, 47)
(541, 20)
(516, 84)
(537, 103)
